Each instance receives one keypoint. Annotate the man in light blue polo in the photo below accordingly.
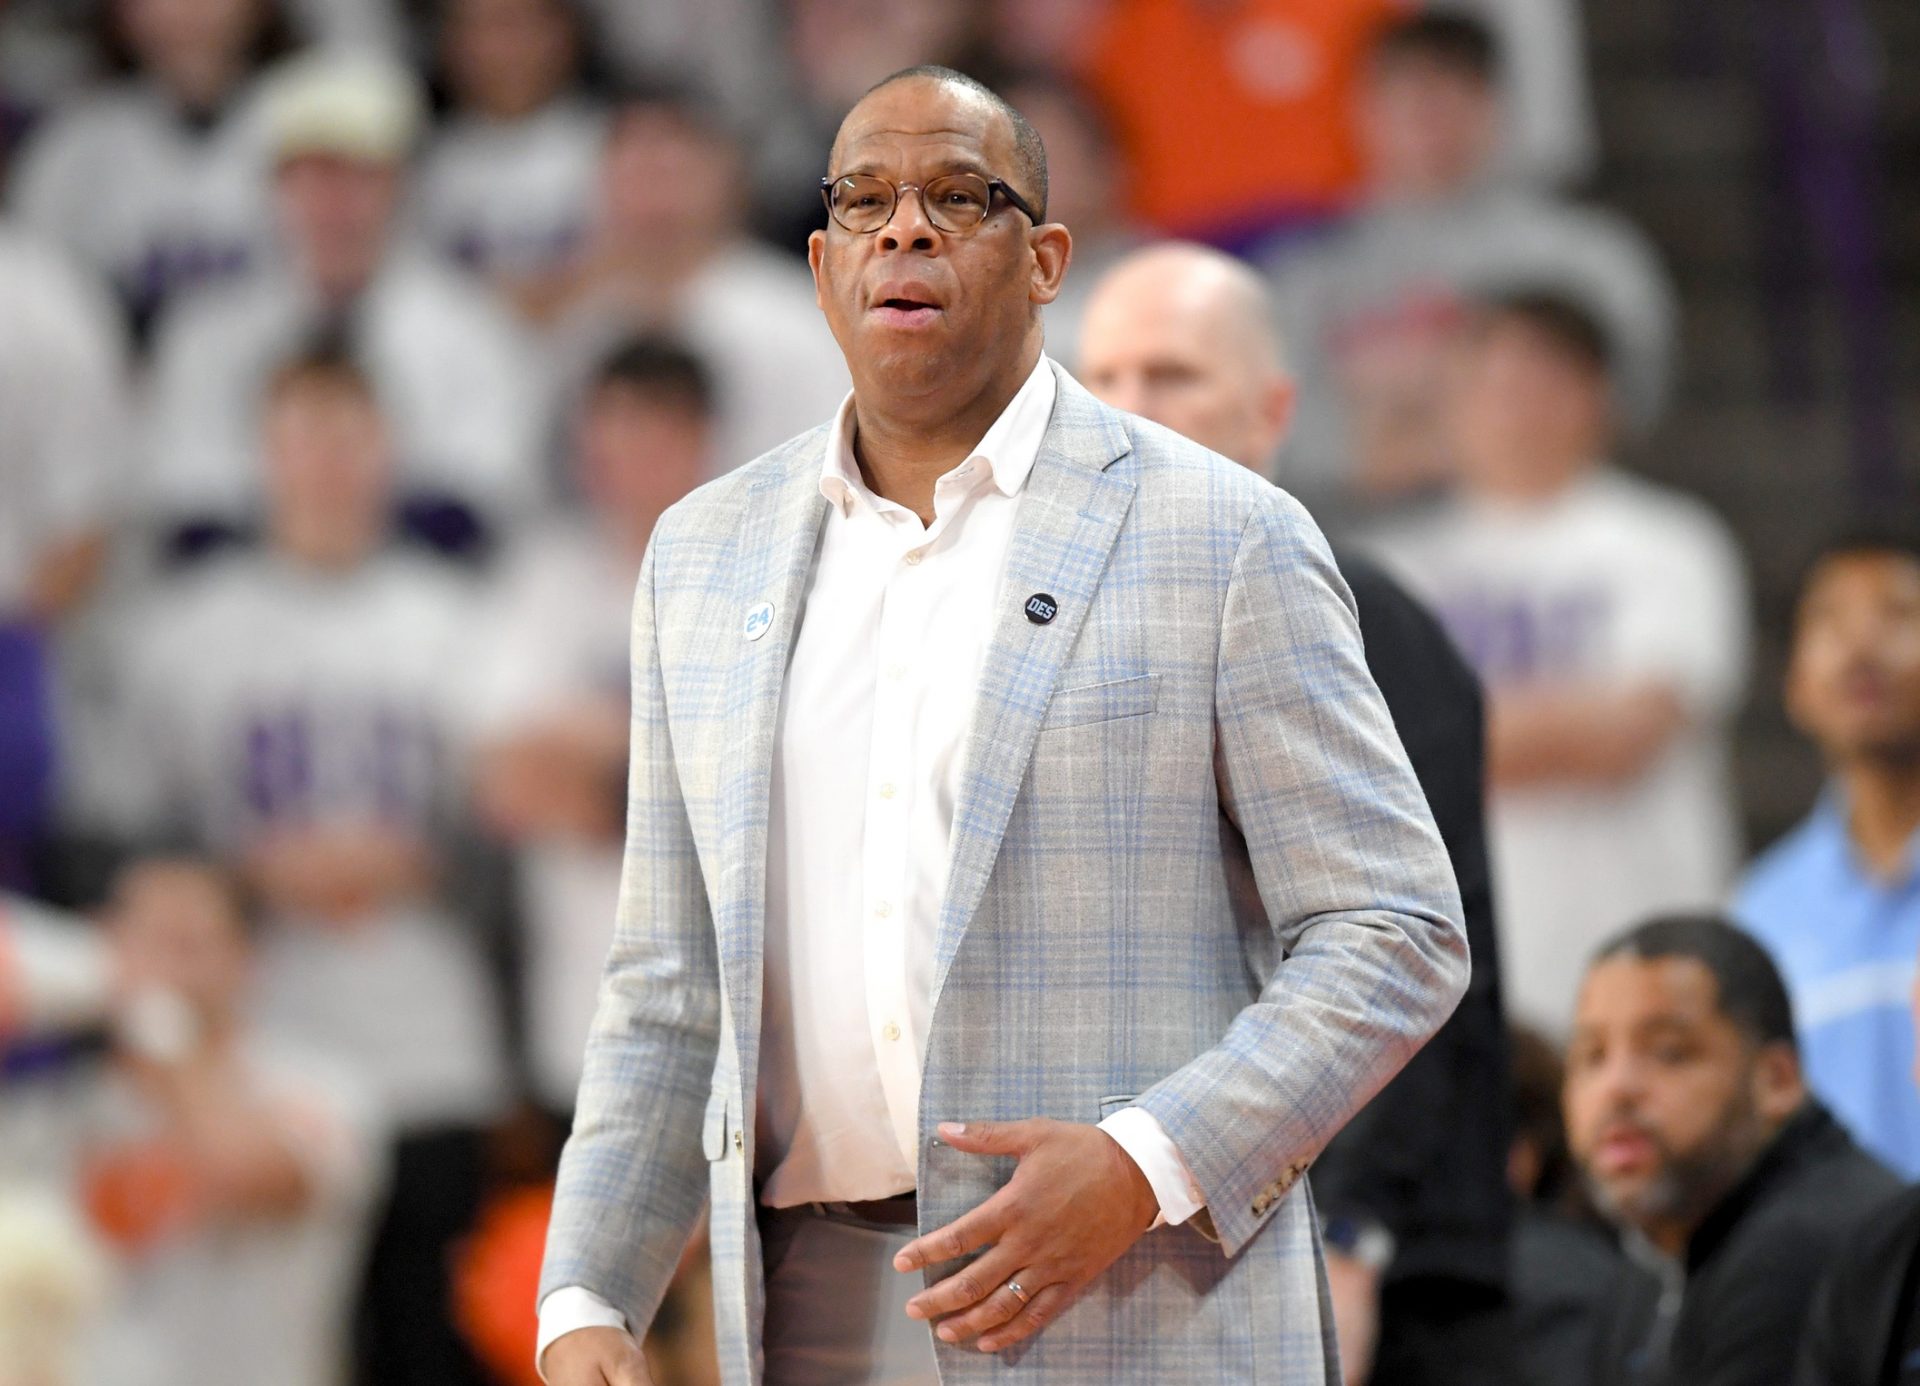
(1838, 899)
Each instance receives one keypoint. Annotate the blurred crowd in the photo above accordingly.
(349, 350)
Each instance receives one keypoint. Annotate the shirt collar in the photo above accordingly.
(1007, 450)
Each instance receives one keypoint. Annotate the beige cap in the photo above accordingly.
(349, 105)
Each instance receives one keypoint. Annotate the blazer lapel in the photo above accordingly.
(779, 536)
(1070, 516)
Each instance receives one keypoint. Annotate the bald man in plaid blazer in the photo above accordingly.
(1190, 877)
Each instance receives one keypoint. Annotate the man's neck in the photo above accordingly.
(1883, 810)
(904, 448)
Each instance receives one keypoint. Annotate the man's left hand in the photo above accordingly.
(1074, 1205)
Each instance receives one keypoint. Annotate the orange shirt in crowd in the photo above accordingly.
(1236, 114)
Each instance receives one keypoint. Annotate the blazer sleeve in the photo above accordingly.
(1352, 880)
(633, 1177)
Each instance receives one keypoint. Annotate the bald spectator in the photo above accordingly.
(668, 253)
(506, 182)
(448, 361)
(1376, 308)
(157, 179)
(1412, 1194)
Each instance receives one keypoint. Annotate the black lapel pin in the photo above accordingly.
(1041, 608)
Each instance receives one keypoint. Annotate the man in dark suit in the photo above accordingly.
(1865, 1325)
(1413, 1196)
(1691, 1121)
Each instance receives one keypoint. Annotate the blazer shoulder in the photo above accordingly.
(1168, 465)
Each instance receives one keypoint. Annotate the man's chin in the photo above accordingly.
(1634, 1200)
(911, 370)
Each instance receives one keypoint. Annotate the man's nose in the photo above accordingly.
(1623, 1080)
(908, 227)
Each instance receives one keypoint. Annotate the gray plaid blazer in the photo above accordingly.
(1191, 871)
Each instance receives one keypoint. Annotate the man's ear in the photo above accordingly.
(816, 255)
(1779, 1087)
(1052, 246)
(1278, 400)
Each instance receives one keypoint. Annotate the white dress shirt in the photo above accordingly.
(867, 767)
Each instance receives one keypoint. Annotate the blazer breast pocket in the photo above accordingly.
(1108, 701)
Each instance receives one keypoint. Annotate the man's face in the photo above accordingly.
(664, 180)
(327, 468)
(639, 454)
(1667, 1102)
(1527, 414)
(919, 311)
(336, 212)
(1165, 351)
(508, 57)
(174, 926)
(1430, 131)
(168, 33)
(1853, 680)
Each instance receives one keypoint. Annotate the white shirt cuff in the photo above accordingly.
(568, 1308)
(1138, 1132)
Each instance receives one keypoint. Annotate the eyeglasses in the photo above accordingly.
(954, 202)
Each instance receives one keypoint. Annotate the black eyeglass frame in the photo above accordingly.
(994, 185)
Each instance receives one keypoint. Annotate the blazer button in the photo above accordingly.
(739, 1141)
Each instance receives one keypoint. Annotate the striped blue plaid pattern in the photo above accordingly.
(1191, 872)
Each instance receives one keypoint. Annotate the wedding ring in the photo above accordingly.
(1018, 1293)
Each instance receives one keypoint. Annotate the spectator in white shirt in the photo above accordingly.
(506, 183)
(157, 178)
(233, 1175)
(1608, 619)
(551, 685)
(452, 370)
(1375, 309)
(62, 419)
(668, 253)
(299, 711)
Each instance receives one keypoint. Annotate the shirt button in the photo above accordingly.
(886, 791)
(914, 557)
(896, 671)
(883, 909)
(892, 1032)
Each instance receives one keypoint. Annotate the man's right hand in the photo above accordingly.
(595, 1357)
